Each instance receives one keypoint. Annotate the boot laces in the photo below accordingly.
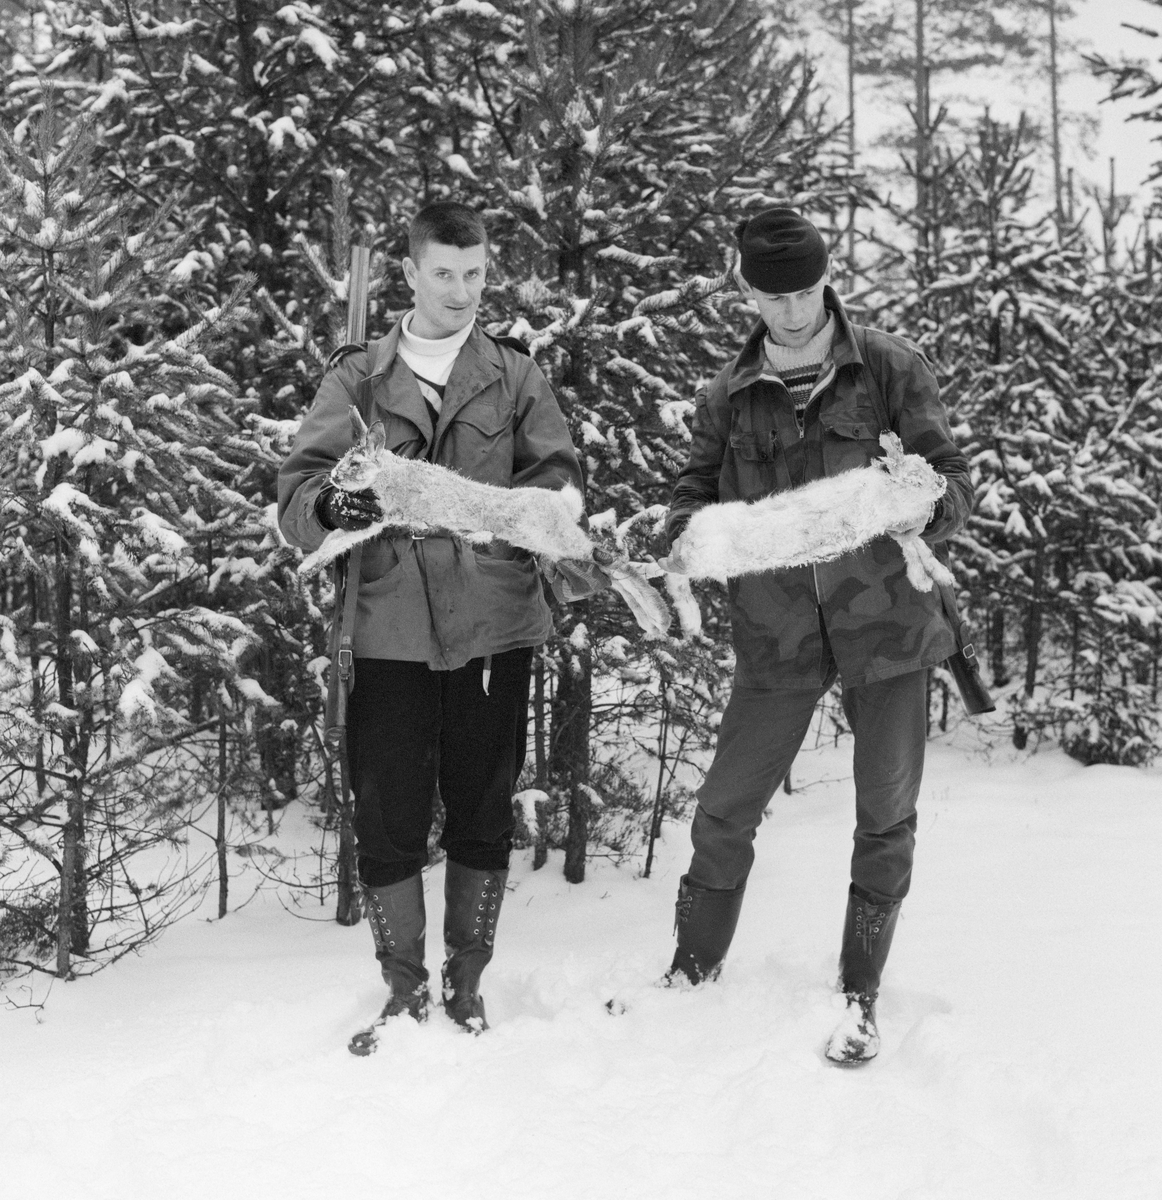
(869, 924)
(682, 909)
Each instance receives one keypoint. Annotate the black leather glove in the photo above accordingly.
(337, 509)
(937, 514)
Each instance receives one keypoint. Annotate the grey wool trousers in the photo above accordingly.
(761, 732)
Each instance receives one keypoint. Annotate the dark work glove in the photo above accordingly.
(574, 579)
(937, 513)
(337, 509)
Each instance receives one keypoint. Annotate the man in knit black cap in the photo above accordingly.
(807, 398)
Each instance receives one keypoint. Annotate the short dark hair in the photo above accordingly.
(449, 223)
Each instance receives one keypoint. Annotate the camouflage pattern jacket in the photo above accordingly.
(793, 627)
(437, 600)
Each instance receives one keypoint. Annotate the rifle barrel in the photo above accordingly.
(357, 294)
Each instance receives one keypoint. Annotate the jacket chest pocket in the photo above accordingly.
(756, 461)
(402, 437)
(479, 442)
(754, 446)
(851, 438)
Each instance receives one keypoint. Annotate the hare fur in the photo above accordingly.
(820, 521)
(424, 498)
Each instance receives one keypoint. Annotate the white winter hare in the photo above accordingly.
(420, 496)
(425, 498)
(820, 521)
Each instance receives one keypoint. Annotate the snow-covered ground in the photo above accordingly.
(1022, 1052)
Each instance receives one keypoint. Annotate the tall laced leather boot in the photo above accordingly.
(396, 916)
(704, 920)
(472, 902)
(867, 938)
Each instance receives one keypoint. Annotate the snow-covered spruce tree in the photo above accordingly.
(1002, 290)
(248, 111)
(635, 139)
(1106, 704)
(919, 48)
(1010, 320)
(243, 111)
(908, 48)
(119, 467)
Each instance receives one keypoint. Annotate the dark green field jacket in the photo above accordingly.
(860, 608)
(438, 600)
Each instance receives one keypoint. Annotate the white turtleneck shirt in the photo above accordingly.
(431, 360)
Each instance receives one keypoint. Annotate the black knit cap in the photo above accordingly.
(781, 251)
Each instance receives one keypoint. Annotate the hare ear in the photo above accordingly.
(376, 437)
(358, 424)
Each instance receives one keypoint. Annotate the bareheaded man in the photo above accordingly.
(807, 398)
(444, 630)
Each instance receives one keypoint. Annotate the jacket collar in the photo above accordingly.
(402, 398)
(749, 364)
(477, 365)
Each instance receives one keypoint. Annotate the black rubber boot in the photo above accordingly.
(867, 938)
(704, 920)
(471, 907)
(396, 916)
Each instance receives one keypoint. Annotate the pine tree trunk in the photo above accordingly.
(1074, 651)
(1055, 117)
(278, 747)
(851, 150)
(67, 909)
(37, 685)
(572, 709)
(220, 835)
(542, 776)
(73, 917)
(540, 757)
(923, 117)
(1034, 621)
(1000, 671)
(1157, 639)
(347, 909)
(659, 795)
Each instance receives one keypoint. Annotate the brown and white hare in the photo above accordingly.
(423, 497)
(426, 499)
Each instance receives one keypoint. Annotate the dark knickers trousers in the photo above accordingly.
(761, 732)
(410, 730)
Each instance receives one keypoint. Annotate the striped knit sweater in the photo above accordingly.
(801, 371)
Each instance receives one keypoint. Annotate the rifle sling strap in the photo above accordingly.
(346, 663)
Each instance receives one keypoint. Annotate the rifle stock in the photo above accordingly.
(341, 675)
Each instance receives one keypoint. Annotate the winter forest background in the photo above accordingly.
(181, 185)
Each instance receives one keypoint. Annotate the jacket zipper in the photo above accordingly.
(814, 575)
(814, 572)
